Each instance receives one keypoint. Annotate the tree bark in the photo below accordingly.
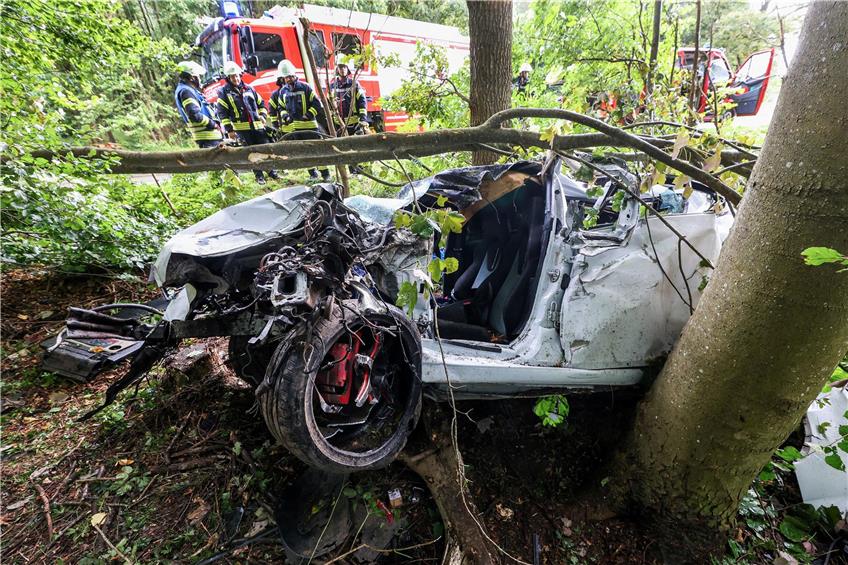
(769, 329)
(490, 31)
(655, 47)
(695, 93)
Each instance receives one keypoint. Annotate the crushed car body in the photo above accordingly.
(560, 284)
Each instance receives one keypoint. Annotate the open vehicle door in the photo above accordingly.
(752, 80)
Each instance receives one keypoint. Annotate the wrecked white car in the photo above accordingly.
(305, 286)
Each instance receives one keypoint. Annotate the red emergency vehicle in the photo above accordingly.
(750, 79)
(259, 44)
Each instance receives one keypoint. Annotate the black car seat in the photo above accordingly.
(509, 306)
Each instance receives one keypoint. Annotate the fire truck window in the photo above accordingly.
(215, 52)
(346, 43)
(316, 43)
(719, 73)
(269, 50)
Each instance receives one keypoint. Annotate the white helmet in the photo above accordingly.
(191, 68)
(525, 68)
(232, 68)
(286, 69)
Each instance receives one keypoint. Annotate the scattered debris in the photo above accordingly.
(395, 498)
(504, 512)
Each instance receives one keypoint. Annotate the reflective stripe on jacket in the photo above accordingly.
(241, 108)
(341, 89)
(196, 112)
(298, 102)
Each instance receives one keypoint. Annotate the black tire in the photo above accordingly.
(249, 363)
(355, 438)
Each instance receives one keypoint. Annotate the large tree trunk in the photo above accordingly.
(490, 31)
(769, 329)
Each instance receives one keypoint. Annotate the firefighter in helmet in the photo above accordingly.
(196, 112)
(243, 113)
(520, 82)
(295, 108)
(350, 99)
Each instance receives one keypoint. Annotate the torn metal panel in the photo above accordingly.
(821, 484)
(238, 227)
(619, 309)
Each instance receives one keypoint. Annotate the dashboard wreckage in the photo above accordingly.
(561, 285)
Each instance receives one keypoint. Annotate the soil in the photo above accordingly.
(184, 470)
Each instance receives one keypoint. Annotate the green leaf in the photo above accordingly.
(794, 529)
(590, 219)
(402, 219)
(821, 255)
(594, 191)
(451, 265)
(835, 461)
(434, 269)
(713, 161)
(788, 454)
(552, 409)
(679, 143)
(407, 297)
(441, 201)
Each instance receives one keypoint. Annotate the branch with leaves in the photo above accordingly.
(351, 150)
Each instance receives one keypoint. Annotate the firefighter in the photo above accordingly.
(520, 82)
(243, 113)
(196, 112)
(295, 108)
(344, 91)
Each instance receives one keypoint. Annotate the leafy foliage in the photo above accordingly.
(552, 410)
(824, 255)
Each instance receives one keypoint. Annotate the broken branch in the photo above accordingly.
(620, 137)
(47, 514)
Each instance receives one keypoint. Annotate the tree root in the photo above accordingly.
(438, 463)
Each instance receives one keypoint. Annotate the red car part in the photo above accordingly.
(335, 384)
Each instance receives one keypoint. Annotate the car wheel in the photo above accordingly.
(344, 395)
(248, 362)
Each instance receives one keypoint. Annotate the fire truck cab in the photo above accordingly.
(259, 44)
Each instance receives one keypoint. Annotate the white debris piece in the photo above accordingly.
(821, 484)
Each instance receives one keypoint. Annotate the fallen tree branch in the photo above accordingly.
(47, 515)
(621, 137)
(303, 154)
(350, 150)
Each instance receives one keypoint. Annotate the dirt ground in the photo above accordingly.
(184, 470)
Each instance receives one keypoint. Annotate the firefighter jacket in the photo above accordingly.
(295, 107)
(519, 84)
(196, 112)
(344, 90)
(241, 108)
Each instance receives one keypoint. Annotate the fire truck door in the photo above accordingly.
(752, 80)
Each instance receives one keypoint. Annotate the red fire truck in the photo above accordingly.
(750, 79)
(259, 44)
